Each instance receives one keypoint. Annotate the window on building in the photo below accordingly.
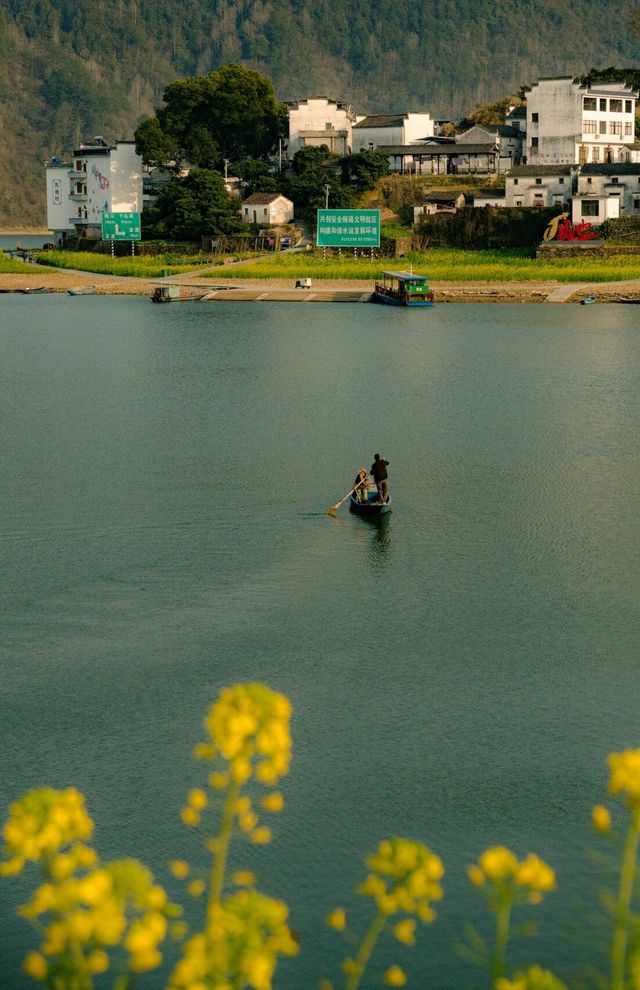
(535, 118)
(589, 181)
(589, 127)
(589, 103)
(636, 203)
(518, 202)
(595, 154)
(538, 182)
(328, 126)
(515, 182)
(534, 144)
(615, 106)
(603, 106)
(615, 180)
(628, 106)
(561, 180)
(590, 208)
(582, 155)
(616, 128)
(602, 127)
(628, 128)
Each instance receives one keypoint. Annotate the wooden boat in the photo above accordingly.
(174, 293)
(587, 300)
(403, 289)
(370, 509)
(82, 290)
(31, 292)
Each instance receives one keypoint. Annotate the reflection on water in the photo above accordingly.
(459, 669)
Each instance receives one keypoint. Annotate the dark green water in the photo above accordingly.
(458, 676)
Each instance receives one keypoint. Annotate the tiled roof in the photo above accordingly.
(489, 194)
(452, 149)
(541, 170)
(381, 120)
(611, 168)
(263, 199)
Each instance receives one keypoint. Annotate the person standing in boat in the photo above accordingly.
(380, 476)
(360, 485)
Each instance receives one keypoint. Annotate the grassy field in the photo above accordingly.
(104, 264)
(10, 266)
(442, 264)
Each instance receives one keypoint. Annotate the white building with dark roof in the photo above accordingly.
(99, 179)
(317, 121)
(373, 130)
(267, 209)
(568, 122)
(606, 191)
(540, 185)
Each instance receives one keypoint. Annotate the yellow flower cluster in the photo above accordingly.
(625, 775)
(248, 727)
(531, 876)
(535, 978)
(40, 824)
(240, 947)
(404, 877)
(85, 913)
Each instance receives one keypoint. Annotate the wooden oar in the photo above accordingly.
(334, 508)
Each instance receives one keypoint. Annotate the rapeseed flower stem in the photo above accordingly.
(222, 848)
(364, 953)
(623, 903)
(503, 919)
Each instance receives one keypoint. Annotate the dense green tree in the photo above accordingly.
(156, 147)
(193, 207)
(256, 176)
(312, 160)
(364, 169)
(227, 114)
(490, 113)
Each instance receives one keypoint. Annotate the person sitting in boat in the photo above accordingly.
(381, 477)
(361, 485)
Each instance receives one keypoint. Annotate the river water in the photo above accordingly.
(458, 675)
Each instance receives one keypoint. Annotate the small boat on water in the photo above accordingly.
(403, 289)
(27, 291)
(82, 290)
(174, 293)
(370, 509)
(588, 300)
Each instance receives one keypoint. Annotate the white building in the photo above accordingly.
(606, 191)
(374, 130)
(568, 122)
(319, 121)
(267, 209)
(508, 141)
(540, 185)
(100, 179)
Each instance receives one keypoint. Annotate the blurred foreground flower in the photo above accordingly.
(404, 879)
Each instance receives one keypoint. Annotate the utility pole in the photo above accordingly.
(226, 167)
(326, 199)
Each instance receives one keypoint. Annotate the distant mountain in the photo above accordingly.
(71, 70)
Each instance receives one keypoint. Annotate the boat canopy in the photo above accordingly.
(406, 277)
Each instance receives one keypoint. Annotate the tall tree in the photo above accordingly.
(230, 113)
(194, 207)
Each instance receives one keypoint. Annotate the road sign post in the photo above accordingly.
(121, 227)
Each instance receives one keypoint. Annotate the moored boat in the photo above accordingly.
(403, 289)
(82, 290)
(371, 508)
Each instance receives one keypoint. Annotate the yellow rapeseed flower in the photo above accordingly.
(196, 888)
(190, 816)
(395, 977)
(273, 802)
(405, 878)
(405, 931)
(261, 836)
(337, 919)
(197, 798)
(35, 965)
(244, 878)
(179, 869)
(601, 818)
(98, 961)
(625, 775)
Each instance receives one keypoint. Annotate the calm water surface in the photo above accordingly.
(458, 675)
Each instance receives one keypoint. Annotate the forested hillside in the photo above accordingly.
(71, 70)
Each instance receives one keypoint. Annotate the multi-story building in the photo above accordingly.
(319, 121)
(570, 123)
(99, 179)
(606, 191)
(540, 185)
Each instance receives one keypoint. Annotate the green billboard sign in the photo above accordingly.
(348, 228)
(121, 227)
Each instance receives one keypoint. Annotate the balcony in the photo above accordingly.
(77, 197)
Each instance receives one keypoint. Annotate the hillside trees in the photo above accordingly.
(230, 113)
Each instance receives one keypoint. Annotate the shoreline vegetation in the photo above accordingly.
(455, 275)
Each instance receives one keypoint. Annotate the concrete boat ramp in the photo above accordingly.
(286, 295)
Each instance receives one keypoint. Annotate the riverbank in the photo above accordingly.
(460, 292)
